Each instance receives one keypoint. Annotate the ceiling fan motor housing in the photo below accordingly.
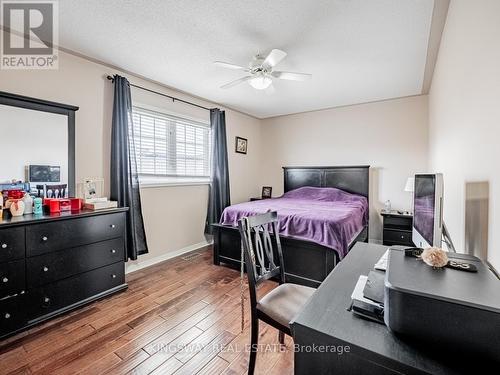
(256, 65)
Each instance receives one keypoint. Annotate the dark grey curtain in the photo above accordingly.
(124, 177)
(218, 197)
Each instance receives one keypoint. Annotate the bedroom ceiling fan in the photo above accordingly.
(261, 71)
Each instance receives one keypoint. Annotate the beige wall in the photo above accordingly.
(174, 216)
(390, 135)
(464, 113)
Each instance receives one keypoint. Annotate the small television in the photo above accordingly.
(428, 210)
(44, 173)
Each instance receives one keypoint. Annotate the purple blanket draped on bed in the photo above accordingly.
(327, 216)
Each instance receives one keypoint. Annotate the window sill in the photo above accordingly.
(158, 184)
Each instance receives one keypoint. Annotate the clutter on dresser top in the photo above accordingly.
(20, 198)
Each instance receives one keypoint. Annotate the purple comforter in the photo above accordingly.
(327, 216)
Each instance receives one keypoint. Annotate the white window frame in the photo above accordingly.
(151, 181)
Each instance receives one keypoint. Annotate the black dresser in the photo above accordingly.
(50, 264)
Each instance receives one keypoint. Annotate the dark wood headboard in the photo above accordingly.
(353, 179)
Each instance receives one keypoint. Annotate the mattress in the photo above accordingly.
(327, 216)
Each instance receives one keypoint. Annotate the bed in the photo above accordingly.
(318, 226)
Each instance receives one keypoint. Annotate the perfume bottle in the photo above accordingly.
(37, 206)
(28, 204)
(387, 206)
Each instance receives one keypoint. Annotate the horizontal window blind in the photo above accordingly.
(170, 146)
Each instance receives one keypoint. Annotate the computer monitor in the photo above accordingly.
(428, 210)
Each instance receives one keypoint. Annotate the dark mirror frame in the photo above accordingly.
(52, 107)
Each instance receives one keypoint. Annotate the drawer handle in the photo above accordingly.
(112, 226)
(4, 246)
(113, 276)
(113, 251)
(44, 238)
(5, 280)
(45, 269)
(46, 301)
(7, 315)
(402, 237)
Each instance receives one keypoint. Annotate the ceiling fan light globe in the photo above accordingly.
(260, 82)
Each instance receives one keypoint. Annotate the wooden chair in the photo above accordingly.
(278, 307)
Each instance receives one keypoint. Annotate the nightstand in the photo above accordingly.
(397, 229)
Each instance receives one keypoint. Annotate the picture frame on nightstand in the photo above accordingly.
(266, 192)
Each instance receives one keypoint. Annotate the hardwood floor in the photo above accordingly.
(177, 317)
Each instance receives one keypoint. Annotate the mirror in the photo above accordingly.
(38, 143)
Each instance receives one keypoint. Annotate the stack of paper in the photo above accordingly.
(99, 203)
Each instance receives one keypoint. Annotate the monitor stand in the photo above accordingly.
(447, 239)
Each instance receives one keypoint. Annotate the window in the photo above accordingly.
(170, 148)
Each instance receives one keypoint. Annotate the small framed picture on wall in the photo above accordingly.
(241, 145)
(267, 192)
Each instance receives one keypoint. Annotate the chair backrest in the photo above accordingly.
(262, 251)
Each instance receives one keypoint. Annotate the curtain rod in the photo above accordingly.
(161, 94)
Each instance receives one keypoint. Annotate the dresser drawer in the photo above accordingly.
(395, 237)
(11, 244)
(52, 297)
(398, 222)
(12, 278)
(62, 234)
(47, 268)
(12, 314)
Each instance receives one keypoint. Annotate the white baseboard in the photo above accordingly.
(137, 265)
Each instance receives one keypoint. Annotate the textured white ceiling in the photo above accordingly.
(357, 50)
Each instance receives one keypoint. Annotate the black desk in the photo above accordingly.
(373, 349)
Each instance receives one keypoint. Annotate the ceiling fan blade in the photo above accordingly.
(236, 82)
(292, 76)
(273, 59)
(223, 64)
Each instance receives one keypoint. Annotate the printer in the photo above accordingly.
(453, 310)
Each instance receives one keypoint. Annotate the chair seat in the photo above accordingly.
(284, 302)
